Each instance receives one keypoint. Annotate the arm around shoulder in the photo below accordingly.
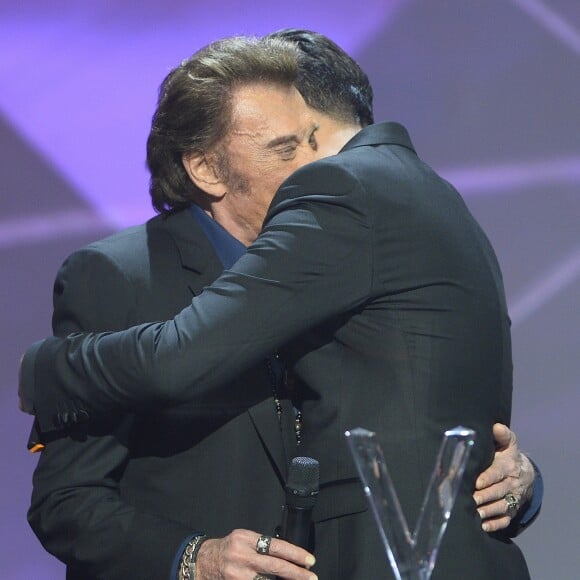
(312, 261)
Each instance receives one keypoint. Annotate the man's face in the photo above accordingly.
(273, 134)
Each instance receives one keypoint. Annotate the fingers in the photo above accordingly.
(496, 524)
(503, 436)
(505, 464)
(507, 460)
(494, 492)
(280, 568)
(285, 550)
(234, 557)
(494, 512)
(490, 477)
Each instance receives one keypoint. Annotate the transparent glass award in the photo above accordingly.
(412, 555)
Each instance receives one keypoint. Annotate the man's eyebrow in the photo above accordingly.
(282, 140)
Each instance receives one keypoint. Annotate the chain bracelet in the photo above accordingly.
(187, 565)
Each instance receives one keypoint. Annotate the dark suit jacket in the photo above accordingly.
(115, 501)
(389, 299)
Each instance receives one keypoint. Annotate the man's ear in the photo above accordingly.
(202, 171)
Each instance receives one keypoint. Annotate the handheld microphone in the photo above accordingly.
(301, 494)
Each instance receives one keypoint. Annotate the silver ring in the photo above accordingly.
(263, 546)
(513, 504)
(262, 577)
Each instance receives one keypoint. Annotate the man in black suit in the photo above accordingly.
(216, 414)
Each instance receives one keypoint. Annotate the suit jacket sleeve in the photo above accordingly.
(77, 511)
(313, 260)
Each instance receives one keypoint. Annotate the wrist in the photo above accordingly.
(187, 564)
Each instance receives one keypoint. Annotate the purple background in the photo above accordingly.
(489, 89)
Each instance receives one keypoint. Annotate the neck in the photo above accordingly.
(346, 133)
(242, 231)
(333, 135)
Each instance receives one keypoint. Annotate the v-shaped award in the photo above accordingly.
(412, 555)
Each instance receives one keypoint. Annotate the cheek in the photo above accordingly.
(278, 175)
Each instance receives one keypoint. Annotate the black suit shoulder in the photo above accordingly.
(134, 267)
(129, 248)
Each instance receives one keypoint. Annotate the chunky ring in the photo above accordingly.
(262, 577)
(263, 546)
(513, 504)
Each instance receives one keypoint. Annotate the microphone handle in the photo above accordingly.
(296, 526)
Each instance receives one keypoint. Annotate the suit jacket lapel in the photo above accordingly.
(199, 262)
(277, 437)
(200, 267)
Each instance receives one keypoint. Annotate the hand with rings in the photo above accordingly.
(246, 555)
(506, 485)
(513, 504)
(263, 545)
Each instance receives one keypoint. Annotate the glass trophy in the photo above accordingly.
(411, 555)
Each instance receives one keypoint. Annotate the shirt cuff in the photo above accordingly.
(536, 500)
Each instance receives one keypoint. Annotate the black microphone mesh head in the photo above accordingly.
(303, 476)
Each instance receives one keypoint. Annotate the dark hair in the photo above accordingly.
(194, 107)
(329, 79)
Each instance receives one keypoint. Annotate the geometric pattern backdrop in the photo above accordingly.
(489, 89)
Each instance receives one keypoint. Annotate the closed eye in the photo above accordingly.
(288, 152)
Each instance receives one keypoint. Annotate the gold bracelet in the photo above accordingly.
(187, 566)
